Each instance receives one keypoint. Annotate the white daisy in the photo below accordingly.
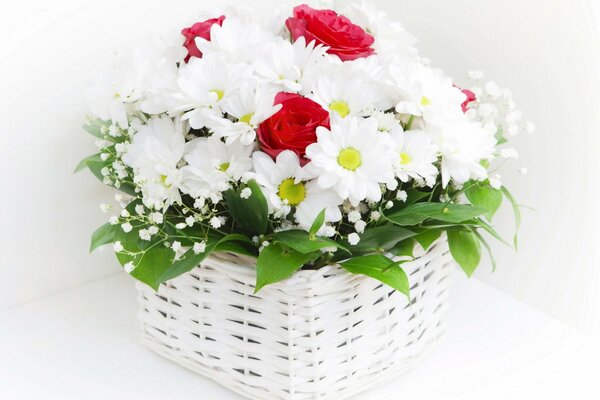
(346, 90)
(249, 106)
(287, 63)
(416, 156)
(212, 165)
(204, 84)
(154, 154)
(392, 41)
(353, 159)
(387, 122)
(238, 41)
(284, 188)
(427, 93)
(463, 145)
(112, 96)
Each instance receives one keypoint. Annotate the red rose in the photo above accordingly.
(470, 98)
(293, 127)
(199, 29)
(344, 39)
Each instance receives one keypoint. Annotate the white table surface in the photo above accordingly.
(82, 345)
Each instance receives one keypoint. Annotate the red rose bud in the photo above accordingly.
(201, 30)
(344, 39)
(293, 127)
(470, 98)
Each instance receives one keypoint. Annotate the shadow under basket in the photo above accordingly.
(322, 334)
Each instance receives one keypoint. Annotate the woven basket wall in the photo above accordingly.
(323, 334)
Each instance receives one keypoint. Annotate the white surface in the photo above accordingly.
(82, 344)
(546, 50)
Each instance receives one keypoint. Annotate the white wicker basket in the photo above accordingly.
(323, 334)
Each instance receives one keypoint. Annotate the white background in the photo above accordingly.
(545, 50)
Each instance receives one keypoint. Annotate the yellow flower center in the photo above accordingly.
(219, 93)
(293, 192)
(340, 107)
(425, 101)
(223, 167)
(163, 180)
(246, 118)
(405, 158)
(349, 159)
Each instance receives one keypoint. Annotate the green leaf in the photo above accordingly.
(381, 268)
(487, 247)
(95, 127)
(478, 222)
(414, 195)
(379, 239)
(83, 163)
(516, 211)
(276, 263)
(152, 263)
(251, 213)
(103, 235)
(302, 243)
(483, 195)
(95, 165)
(150, 258)
(404, 248)
(317, 224)
(465, 248)
(427, 237)
(419, 212)
(189, 260)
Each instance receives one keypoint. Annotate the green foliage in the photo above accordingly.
(465, 248)
(103, 235)
(516, 211)
(420, 212)
(379, 239)
(381, 268)
(214, 243)
(427, 237)
(96, 126)
(83, 164)
(277, 262)
(252, 214)
(317, 224)
(483, 195)
(300, 241)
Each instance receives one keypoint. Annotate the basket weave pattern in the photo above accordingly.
(323, 334)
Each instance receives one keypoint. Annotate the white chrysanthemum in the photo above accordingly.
(391, 39)
(154, 154)
(463, 145)
(387, 122)
(353, 158)
(427, 93)
(416, 155)
(114, 92)
(250, 106)
(346, 90)
(160, 72)
(141, 78)
(236, 40)
(204, 84)
(287, 64)
(212, 165)
(284, 188)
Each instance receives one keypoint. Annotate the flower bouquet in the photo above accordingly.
(296, 183)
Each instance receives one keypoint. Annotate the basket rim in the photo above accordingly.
(304, 282)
